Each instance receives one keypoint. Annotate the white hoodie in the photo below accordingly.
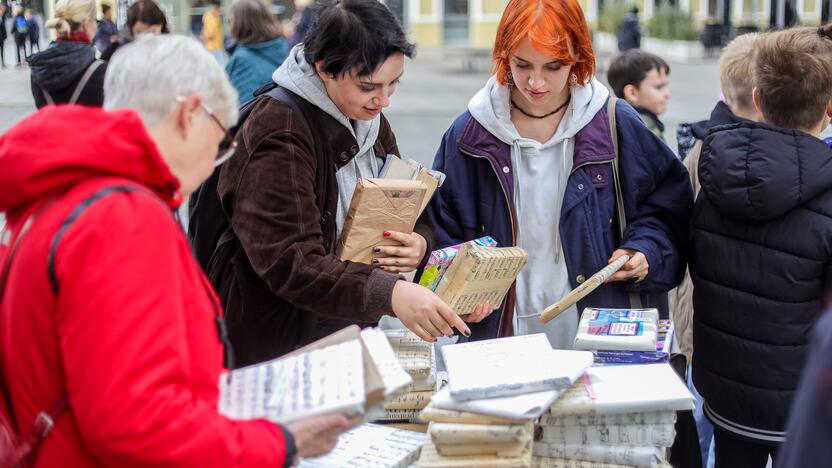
(296, 75)
(541, 171)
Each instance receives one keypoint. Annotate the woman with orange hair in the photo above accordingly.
(532, 162)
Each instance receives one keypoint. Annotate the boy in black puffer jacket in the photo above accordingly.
(763, 247)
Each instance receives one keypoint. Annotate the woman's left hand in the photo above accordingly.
(635, 269)
(403, 258)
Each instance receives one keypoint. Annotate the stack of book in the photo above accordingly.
(418, 358)
(440, 260)
(625, 336)
(496, 389)
(613, 416)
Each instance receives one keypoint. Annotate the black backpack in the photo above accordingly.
(208, 226)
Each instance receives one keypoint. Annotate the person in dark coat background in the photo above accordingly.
(143, 16)
(20, 31)
(4, 34)
(763, 247)
(34, 31)
(60, 73)
(629, 36)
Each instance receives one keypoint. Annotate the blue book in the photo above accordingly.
(662, 354)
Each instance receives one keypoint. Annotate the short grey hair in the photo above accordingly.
(148, 75)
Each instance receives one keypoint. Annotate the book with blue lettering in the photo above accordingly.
(618, 329)
(661, 354)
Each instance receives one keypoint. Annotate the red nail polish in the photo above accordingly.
(386, 233)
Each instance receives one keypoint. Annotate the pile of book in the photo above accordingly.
(625, 336)
(496, 389)
(418, 358)
(615, 416)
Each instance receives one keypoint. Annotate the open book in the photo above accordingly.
(371, 446)
(346, 372)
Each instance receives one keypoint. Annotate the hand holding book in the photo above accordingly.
(424, 313)
(636, 267)
(317, 435)
(404, 257)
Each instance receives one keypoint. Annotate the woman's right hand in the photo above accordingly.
(423, 313)
(317, 435)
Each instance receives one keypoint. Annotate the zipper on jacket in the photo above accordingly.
(510, 213)
(590, 163)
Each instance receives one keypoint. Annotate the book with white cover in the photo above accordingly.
(642, 457)
(510, 366)
(516, 407)
(371, 446)
(395, 379)
(325, 380)
(626, 389)
(652, 417)
(641, 435)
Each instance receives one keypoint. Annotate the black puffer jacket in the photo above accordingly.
(58, 70)
(763, 246)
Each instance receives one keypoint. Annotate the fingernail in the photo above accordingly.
(376, 249)
(386, 233)
(375, 261)
(467, 333)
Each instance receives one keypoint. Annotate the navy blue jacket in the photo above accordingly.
(477, 199)
(762, 260)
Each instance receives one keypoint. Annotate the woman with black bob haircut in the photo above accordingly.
(143, 16)
(287, 191)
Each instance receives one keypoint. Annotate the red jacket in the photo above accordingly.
(131, 335)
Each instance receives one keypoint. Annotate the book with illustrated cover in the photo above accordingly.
(440, 260)
(479, 274)
(618, 329)
(664, 343)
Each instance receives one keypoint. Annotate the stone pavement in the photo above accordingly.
(433, 92)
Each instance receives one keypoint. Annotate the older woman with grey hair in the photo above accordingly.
(111, 333)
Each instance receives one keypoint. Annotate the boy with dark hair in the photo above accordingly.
(763, 247)
(641, 79)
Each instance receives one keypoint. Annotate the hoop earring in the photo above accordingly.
(573, 80)
(509, 79)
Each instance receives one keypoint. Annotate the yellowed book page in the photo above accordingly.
(430, 458)
(515, 449)
(412, 400)
(431, 413)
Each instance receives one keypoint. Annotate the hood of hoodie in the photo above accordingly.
(60, 64)
(758, 172)
(260, 47)
(60, 146)
(490, 107)
(296, 75)
(721, 115)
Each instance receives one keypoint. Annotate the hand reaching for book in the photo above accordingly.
(403, 258)
(421, 311)
(635, 269)
(480, 312)
(317, 435)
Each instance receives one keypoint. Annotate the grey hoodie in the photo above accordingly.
(541, 171)
(296, 75)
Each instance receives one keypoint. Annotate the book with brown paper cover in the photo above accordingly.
(479, 274)
(379, 205)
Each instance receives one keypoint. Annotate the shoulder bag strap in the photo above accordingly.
(82, 83)
(47, 97)
(635, 299)
(45, 420)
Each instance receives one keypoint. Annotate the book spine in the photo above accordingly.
(409, 401)
(645, 435)
(653, 417)
(630, 357)
(546, 462)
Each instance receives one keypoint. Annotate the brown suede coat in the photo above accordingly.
(280, 282)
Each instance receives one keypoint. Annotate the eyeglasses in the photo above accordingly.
(228, 146)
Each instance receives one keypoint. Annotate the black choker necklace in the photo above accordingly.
(514, 105)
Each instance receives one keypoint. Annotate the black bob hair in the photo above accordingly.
(354, 36)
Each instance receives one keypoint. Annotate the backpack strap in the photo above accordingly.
(635, 299)
(47, 97)
(82, 83)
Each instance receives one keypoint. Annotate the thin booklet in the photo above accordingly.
(510, 366)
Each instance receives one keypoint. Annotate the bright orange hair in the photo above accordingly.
(554, 27)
